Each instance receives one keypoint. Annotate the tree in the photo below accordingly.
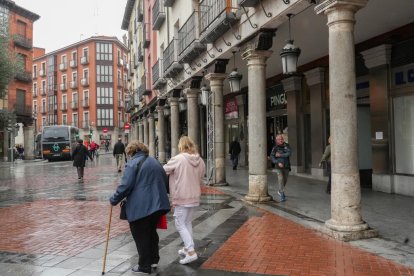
(8, 64)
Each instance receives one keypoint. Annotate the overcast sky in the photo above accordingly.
(63, 22)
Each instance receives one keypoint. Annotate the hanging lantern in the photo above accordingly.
(182, 103)
(289, 54)
(167, 110)
(235, 77)
(205, 92)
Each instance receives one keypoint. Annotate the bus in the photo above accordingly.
(38, 146)
(58, 142)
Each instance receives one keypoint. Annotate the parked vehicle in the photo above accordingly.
(58, 142)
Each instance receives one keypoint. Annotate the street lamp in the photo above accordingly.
(167, 110)
(204, 95)
(289, 54)
(235, 77)
(182, 102)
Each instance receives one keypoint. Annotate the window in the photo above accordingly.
(64, 102)
(43, 105)
(44, 122)
(4, 20)
(64, 80)
(74, 56)
(75, 77)
(105, 95)
(34, 89)
(21, 28)
(75, 97)
(404, 134)
(64, 119)
(86, 95)
(85, 52)
(75, 119)
(63, 59)
(43, 87)
(103, 51)
(34, 71)
(52, 104)
(103, 73)
(105, 116)
(21, 59)
(43, 65)
(86, 74)
(34, 106)
(86, 119)
(120, 119)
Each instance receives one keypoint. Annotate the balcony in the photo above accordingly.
(168, 3)
(131, 72)
(24, 76)
(43, 91)
(43, 110)
(74, 104)
(158, 80)
(140, 15)
(42, 73)
(158, 15)
(23, 42)
(63, 87)
(23, 110)
(120, 104)
(74, 124)
(34, 75)
(63, 66)
(85, 103)
(136, 61)
(74, 84)
(85, 60)
(120, 83)
(216, 19)
(64, 106)
(189, 46)
(146, 36)
(84, 82)
(73, 63)
(34, 93)
(171, 65)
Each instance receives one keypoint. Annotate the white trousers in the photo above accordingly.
(183, 217)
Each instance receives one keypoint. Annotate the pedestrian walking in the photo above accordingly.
(280, 157)
(79, 155)
(119, 154)
(234, 152)
(185, 171)
(326, 157)
(106, 146)
(93, 147)
(147, 201)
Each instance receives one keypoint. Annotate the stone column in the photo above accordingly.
(377, 60)
(175, 125)
(346, 221)
(161, 135)
(28, 133)
(315, 79)
(145, 123)
(293, 89)
(216, 86)
(151, 134)
(256, 66)
(241, 99)
(193, 115)
(141, 130)
(136, 130)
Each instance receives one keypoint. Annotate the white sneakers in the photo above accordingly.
(189, 258)
(182, 252)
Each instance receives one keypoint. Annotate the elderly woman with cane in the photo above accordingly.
(144, 186)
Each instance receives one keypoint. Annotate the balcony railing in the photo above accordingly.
(63, 66)
(43, 110)
(73, 63)
(120, 62)
(216, 18)
(23, 110)
(74, 105)
(43, 91)
(63, 87)
(86, 124)
(34, 75)
(74, 84)
(85, 102)
(140, 53)
(120, 103)
(84, 82)
(158, 80)
(64, 106)
(158, 15)
(146, 35)
(85, 60)
(120, 83)
(42, 73)
(189, 46)
(74, 124)
(34, 92)
(24, 76)
(21, 41)
(171, 65)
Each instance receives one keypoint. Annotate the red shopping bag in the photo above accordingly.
(162, 223)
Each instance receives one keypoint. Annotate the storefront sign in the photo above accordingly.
(231, 109)
(403, 76)
(276, 98)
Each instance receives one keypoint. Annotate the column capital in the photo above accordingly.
(252, 55)
(293, 83)
(216, 76)
(377, 56)
(160, 108)
(331, 5)
(192, 92)
(315, 76)
(173, 101)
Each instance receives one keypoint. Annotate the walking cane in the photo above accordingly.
(107, 239)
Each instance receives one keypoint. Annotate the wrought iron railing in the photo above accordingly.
(169, 54)
(187, 34)
(210, 10)
(156, 71)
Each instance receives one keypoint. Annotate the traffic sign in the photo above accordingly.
(105, 130)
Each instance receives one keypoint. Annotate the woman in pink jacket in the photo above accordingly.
(185, 171)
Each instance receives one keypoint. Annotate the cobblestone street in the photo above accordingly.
(54, 225)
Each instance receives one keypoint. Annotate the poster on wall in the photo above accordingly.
(231, 109)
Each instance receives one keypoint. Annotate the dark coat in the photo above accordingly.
(235, 149)
(285, 151)
(79, 155)
(119, 148)
(146, 192)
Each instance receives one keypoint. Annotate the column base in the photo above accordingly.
(256, 198)
(219, 184)
(348, 232)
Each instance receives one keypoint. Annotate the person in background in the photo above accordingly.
(119, 154)
(280, 157)
(106, 146)
(234, 152)
(93, 147)
(185, 171)
(79, 155)
(326, 157)
(147, 201)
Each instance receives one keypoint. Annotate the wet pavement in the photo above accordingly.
(53, 225)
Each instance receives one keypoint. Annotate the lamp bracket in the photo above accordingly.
(210, 55)
(225, 42)
(254, 26)
(218, 49)
(188, 73)
(238, 37)
(269, 14)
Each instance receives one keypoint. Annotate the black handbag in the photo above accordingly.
(123, 214)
